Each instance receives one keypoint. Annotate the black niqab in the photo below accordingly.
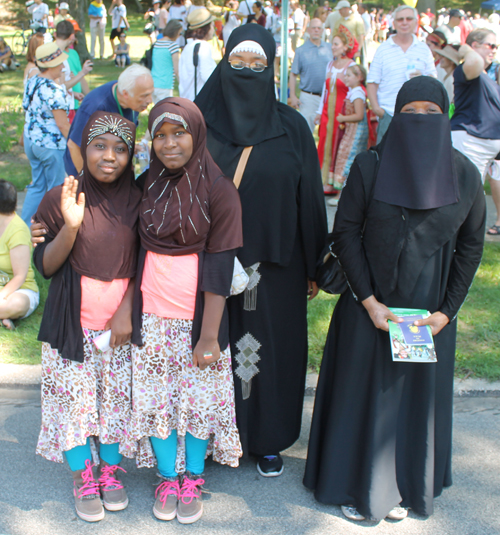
(241, 104)
(417, 168)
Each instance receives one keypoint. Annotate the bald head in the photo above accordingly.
(315, 30)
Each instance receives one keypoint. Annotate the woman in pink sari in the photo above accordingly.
(332, 100)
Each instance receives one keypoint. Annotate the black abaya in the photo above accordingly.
(284, 228)
(381, 430)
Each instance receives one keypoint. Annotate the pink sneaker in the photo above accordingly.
(114, 495)
(190, 506)
(86, 491)
(167, 495)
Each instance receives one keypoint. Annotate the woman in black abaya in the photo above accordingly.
(284, 229)
(381, 433)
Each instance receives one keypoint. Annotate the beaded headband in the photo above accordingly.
(168, 115)
(114, 126)
(249, 46)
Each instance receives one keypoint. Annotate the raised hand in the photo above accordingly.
(71, 208)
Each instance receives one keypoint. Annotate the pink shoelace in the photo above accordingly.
(190, 489)
(90, 485)
(168, 488)
(107, 479)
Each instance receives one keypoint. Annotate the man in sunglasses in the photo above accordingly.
(475, 126)
(397, 60)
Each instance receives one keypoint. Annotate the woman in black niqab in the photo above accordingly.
(381, 432)
(284, 229)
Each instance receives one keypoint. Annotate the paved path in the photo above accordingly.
(35, 494)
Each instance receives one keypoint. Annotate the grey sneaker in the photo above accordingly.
(190, 505)
(351, 513)
(397, 513)
(87, 498)
(167, 496)
(113, 493)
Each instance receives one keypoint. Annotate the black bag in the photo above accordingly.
(147, 59)
(330, 276)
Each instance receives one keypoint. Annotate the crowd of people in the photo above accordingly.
(148, 349)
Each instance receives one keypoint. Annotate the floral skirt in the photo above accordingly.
(86, 399)
(170, 393)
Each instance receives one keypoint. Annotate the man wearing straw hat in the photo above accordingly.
(196, 63)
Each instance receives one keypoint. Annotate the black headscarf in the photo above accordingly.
(241, 105)
(417, 169)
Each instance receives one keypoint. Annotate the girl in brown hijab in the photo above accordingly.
(90, 253)
(190, 229)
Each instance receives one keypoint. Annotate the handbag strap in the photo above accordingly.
(240, 169)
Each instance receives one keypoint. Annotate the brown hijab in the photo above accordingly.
(175, 215)
(107, 242)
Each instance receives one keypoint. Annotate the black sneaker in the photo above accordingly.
(270, 465)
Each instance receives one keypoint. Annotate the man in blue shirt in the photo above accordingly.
(130, 95)
(310, 63)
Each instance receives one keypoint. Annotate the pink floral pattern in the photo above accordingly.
(85, 399)
(170, 393)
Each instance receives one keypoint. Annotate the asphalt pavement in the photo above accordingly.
(36, 495)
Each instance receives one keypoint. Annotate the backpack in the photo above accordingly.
(147, 59)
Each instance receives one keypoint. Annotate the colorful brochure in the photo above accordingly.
(410, 343)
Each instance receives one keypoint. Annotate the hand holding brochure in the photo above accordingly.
(410, 343)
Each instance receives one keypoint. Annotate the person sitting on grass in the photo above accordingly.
(122, 51)
(19, 295)
(7, 59)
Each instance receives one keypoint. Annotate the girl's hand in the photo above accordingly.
(312, 290)
(72, 210)
(436, 321)
(317, 119)
(340, 118)
(205, 353)
(121, 327)
(379, 313)
(38, 232)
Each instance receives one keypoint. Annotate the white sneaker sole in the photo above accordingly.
(115, 506)
(270, 474)
(93, 518)
(190, 519)
(164, 516)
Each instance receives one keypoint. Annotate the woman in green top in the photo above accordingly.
(19, 295)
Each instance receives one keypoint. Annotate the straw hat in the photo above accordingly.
(49, 55)
(450, 53)
(199, 18)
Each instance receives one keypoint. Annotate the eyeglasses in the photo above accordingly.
(491, 46)
(407, 19)
(239, 65)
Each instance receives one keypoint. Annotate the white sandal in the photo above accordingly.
(397, 513)
(351, 513)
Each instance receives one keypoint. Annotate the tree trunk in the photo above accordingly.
(78, 9)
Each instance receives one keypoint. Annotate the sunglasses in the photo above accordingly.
(491, 46)
(407, 19)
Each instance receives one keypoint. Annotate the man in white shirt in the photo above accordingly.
(40, 16)
(269, 14)
(397, 60)
(119, 22)
(299, 18)
(245, 12)
(451, 30)
(197, 50)
(331, 22)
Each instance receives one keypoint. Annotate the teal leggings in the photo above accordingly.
(76, 457)
(166, 453)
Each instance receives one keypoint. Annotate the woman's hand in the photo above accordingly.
(436, 322)
(72, 210)
(121, 327)
(379, 313)
(38, 232)
(205, 353)
(317, 119)
(312, 290)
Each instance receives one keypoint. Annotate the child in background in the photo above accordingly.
(353, 137)
(122, 50)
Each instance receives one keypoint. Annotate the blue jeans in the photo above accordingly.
(47, 171)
